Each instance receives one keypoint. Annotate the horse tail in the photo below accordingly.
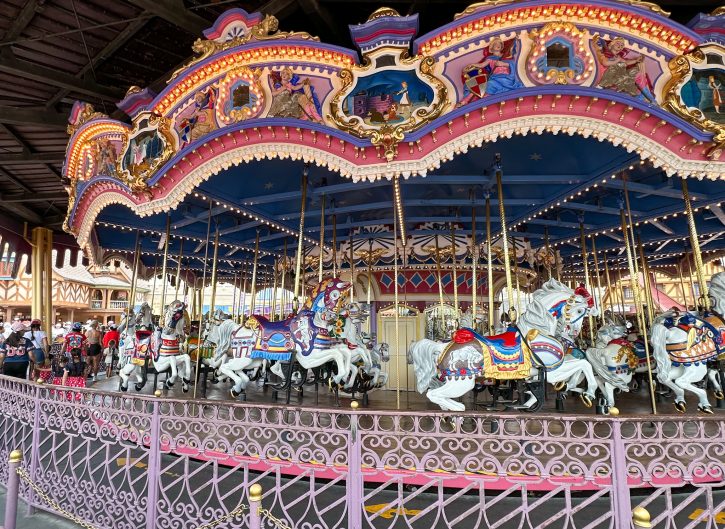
(658, 340)
(423, 355)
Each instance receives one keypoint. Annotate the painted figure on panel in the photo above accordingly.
(624, 70)
(704, 91)
(387, 97)
(104, 153)
(495, 74)
(293, 97)
(143, 150)
(201, 120)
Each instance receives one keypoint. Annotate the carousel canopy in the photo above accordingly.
(575, 106)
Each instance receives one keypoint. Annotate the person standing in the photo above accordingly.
(110, 346)
(75, 339)
(93, 335)
(15, 352)
(39, 340)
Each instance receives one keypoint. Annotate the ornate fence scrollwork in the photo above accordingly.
(114, 461)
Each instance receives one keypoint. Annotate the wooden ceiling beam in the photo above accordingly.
(33, 157)
(34, 197)
(175, 12)
(33, 116)
(21, 21)
(11, 65)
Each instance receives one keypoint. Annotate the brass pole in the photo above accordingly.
(474, 259)
(234, 296)
(397, 308)
(178, 268)
(630, 232)
(253, 293)
(489, 267)
(203, 285)
(638, 304)
(334, 245)
(682, 284)
(273, 312)
(453, 271)
(695, 244)
(504, 236)
(164, 264)
(516, 275)
(646, 280)
(244, 298)
(600, 305)
(298, 264)
(322, 239)
(370, 283)
(691, 277)
(153, 288)
(352, 270)
(440, 277)
(283, 307)
(214, 265)
(548, 249)
(134, 277)
(610, 292)
(585, 261)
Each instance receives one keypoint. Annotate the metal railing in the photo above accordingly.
(117, 304)
(188, 462)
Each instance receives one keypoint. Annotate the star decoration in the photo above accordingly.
(535, 156)
(268, 185)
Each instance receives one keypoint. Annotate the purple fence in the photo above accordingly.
(119, 461)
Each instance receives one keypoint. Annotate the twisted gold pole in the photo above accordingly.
(163, 266)
(300, 238)
(282, 307)
(548, 250)
(273, 311)
(646, 279)
(587, 283)
(504, 235)
(638, 304)
(489, 267)
(695, 244)
(474, 260)
(214, 265)
(253, 302)
(322, 239)
(178, 269)
(600, 305)
(610, 292)
(440, 278)
(334, 245)
(352, 270)
(454, 273)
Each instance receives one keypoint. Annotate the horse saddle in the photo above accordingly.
(275, 339)
(143, 347)
(503, 357)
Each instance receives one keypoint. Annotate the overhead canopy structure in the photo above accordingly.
(570, 114)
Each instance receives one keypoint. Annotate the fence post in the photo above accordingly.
(255, 503)
(620, 487)
(354, 474)
(34, 449)
(154, 465)
(11, 500)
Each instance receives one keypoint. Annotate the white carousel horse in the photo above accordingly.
(613, 359)
(168, 353)
(555, 311)
(305, 335)
(682, 345)
(234, 344)
(135, 345)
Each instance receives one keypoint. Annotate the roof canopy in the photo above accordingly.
(569, 113)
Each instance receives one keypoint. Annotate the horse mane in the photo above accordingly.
(225, 331)
(717, 291)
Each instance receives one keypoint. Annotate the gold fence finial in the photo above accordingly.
(16, 456)
(641, 517)
(255, 492)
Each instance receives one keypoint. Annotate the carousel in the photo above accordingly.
(446, 224)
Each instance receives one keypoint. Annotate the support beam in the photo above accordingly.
(664, 191)
(11, 65)
(595, 209)
(22, 212)
(33, 197)
(21, 21)
(661, 226)
(109, 49)
(32, 116)
(27, 155)
(719, 213)
(175, 12)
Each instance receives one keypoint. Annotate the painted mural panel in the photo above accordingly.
(294, 96)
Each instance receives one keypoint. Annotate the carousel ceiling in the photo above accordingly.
(559, 170)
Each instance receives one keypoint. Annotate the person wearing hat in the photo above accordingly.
(15, 352)
(110, 346)
(75, 339)
(93, 335)
(39, 340)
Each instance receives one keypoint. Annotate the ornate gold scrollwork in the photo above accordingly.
(389, 135)
(135, 176)
(267, 29)
(86, 114)
(681, 69)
